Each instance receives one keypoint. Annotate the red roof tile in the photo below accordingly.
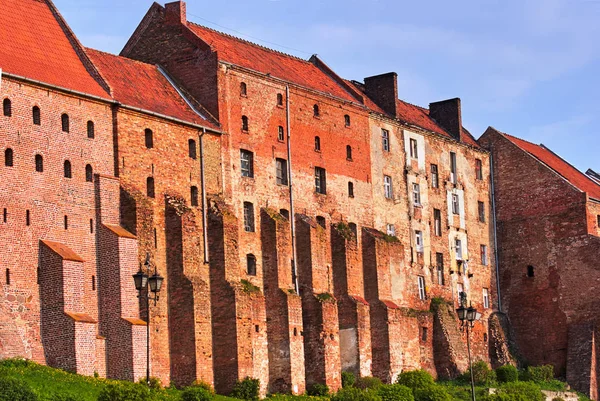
(559, 165)
(418, 116)
(143, 86)
(34, 45)
(267, 61)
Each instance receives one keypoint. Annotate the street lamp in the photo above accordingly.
(467, 317)
(152, 285)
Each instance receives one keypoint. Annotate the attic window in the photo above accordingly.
(245, 123)
(7, 107)
(347, 120)
(64, 119)
(279, 99)
(243, 89)
(316, 110)
(36, 114)
(530, 271)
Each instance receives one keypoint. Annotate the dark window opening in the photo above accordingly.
(247, 163)
(281, 171)
(385, 139)
(317, 143)
(150, 187)
(248, 217)
(243, 89)
(194, 196)
(7, 276)
(348, 152)
(5, 215)
(481, 211)
(453, 167)
(257, 328)
(424, 333)
(66, 222)
(439, 261)
(27, 218)
(437, 222)
(67, 168)
(351, 190)
(280, 134)
(347, 120)
(295, 332)
(279, 99)
(7, 108)
(316, 110)
(91, 226)
(485, 337)
(91, 131)
(155, 238)
(37, 117)
(8, 157)
(93, 283)
(251, 264)
(598, 223)
(148, 138)
(244, 123)
(321, 221)
(64, 119)
(478, 169)
(285, 213)
(320, 180)
(354, 229)
(435, 182)
(530, 271)
(89, 173)
(39, 163)
(192, 149)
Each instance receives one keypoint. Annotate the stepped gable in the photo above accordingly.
(267, 61)
(144, 86)
(558, 164)
(35, 44)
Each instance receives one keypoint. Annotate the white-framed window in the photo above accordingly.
(387, 186)
(486, 298)
(320, 180)
(437, 222)
(391, 229)
(419, 241)
(421, 284)
(439, 261)
(246, 163)
(458, 248)
(484, 255)
(416, 194)
(385, 140)
(453, 167)
(414, 150)
(435, 181)
(455, 204)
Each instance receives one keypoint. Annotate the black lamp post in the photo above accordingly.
(467, 317)
(153, 284)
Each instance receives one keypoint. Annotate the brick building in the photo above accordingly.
(303, 223)
(548, 217)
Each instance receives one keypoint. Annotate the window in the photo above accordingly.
(4, 215)
(458, 248)
(416, 194)
(437, 222)
(91, 131)
(280, 134)
(421, 284)
(91, 226)
(39, 163)
(317, 143)
(387, 187)
(7, 276)
(455, 204)
(7, 107)
(148, 138)
(155, 238)
(530, 271)
(419, 241)
(320, 180)
(192, 149)
(285, 213)
(251, 264)
(150, 187)
(281, 171)
(8, 157)
(27, 217)
(414, 151)
(391, 229)
(93, 283)
(435, 181)
(64, 119)
(244, 123)
(194, 195)
(354, 229)
(346, 120)
(350, 190)
(243, 89)
(247, 163)
(279, 99)
(67, 168)
(89, 173)
(439, 267)
(598, 222)
(453, 167)
(66, 222)
(321, 221)
(460, 290)
(248, 217)
(486, 298)
(316, 110)
(484, 255)
(348, 152)
(36, 114)
(481, 211)
(385, 140)
(478, 169)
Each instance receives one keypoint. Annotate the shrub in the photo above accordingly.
(432, 393)
(246, 389)
(503, 397)
(364, 383)
(348, 379)
(155, 383)
(539, 374)
(355, 394)
(482, 374)
(12, 389)
(507, 373)
(204, 385)
(16, 363)
(318, 390)
(395, 392)
(63, 397)
(196, 393)
(415, 379)
(124, 391)
(530, 391)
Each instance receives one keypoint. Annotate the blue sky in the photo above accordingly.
(530, 68)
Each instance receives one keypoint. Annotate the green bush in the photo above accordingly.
(318, 390)
(196, 393)
(205, 386)
(364, 383)
(507, 374)
(155, 383)
(124, 391)
(539, 374)
(482, 375)
(355, 394)
(63, 397)
(503, 397)
(395, 392)
(246, 389)
(12, 389)
(415, 379)
(528, 390)
(348, 379)
(432, 393)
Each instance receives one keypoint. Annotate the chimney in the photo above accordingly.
(175, 13)
(447, 114)
(383, 90)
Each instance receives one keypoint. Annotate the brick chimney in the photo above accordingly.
(447, 114)
(383, 90)
(175, 12)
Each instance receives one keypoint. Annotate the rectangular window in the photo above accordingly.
(455, 204)
(248, 217)
(453, 167)
(414, 150)
(481, 211)
(460, 289)
(421, 283)
(416, 194)
(424, 334)
(320, 180)
(280, 134)
(439, 264)
(281, 171)
(247, 163)
(458, 248)
(437, 222)
(385, 140)
(419, 241)
(484, 255)
(387, 186)
(391, 229)
(435, 181)
(478, 169)
(486, 298)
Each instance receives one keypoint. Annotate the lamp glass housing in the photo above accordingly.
(462, 313)
(471, 314)
(140, 280)
(155, 282)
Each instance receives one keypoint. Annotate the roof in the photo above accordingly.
(246, 54)
(36, 46)
(63, 251)
(559, 165)
(119, 231)
(144, 86)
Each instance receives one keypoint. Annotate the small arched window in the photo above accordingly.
(530, 271)
(150, 187)
(194, 195)
(279, 99)
(148, 138)
(91, 132)
(244, 123)
(316, 110)
(251, 264)
(353, 228)
(243, 89)
(37, 115)
(192, 148)
(347, 120)
(317, 143)
(350, 190)
(64, 119)
(67, 168)
(8, 157)
(7, 107)
(348, 152)
(321, 221)
(89, 173)
(39, 163)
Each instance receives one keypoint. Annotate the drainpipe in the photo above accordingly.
(204, 207)
(496, 258)
(292, 214)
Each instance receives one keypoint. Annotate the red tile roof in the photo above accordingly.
(559, 165)
(267, 61)
(34, 45)
(418, 116)
(143, 86)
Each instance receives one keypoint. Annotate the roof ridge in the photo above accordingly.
(565, 161)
